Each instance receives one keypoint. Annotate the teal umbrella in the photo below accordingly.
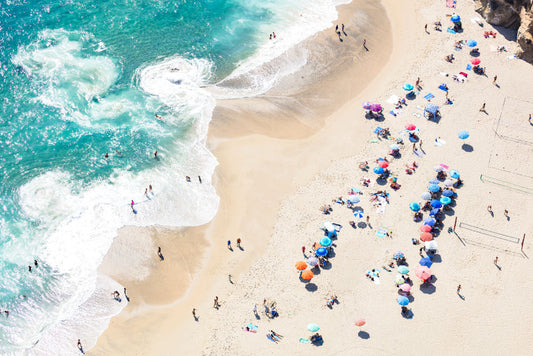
(313, 327)
(414, 206)
(325, 241)
(403, 270)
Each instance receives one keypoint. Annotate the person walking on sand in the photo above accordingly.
(29, 268)
(489, 208)
(483, 108)
(80, 347)
(303, 251)
(229, 278)
(255, 310)
(336, 28)
(506, 213)
(368, 219)
(426, 28)
(35, 263)
(420, 143)
(194, 313)
(132, 204)
(200, 179)
(150, 188)
(216, 304)
(496, 261)
(495, 78)
(414, 147)
(459, 289)
(159, 253)
(239, 242)
(364, 43)
(146, 192)
(229, 244)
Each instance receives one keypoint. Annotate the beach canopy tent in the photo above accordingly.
(431, 109)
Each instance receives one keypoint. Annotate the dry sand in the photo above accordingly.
(273, 177)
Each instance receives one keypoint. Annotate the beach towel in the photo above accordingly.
(464, 74)
(439, 142)
(374, 141)
(420, 107)
(429, 96)
(468, 67)
(376, 278)
(450, 30)
(511, 57)
(378, 129)
(443, 87)
(272, 339)
(444, 74)
(418, 153)
(304, 340)
(451, 3)
(381, 232)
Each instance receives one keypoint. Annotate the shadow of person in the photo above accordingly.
(461, 296)
(363, 335)
(241, 248)
(366, 48)
(196, 318)
(161, 257)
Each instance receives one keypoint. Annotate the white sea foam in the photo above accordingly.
(295, 22)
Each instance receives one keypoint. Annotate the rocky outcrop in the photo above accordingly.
(515, 14)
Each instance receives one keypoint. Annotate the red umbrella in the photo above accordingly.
(426, 236)
(360, 322)
(422, 272)
(383, 164)
(475, 61)
(410, 127)
(425, 228)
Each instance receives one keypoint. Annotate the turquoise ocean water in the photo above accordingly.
(79, 79)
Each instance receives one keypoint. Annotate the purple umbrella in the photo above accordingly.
(376, 107)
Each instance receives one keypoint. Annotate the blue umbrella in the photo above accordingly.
(433, 188)
(321, 251)
(414, 206)
(445, 200)
(454, 174)
(463, 135)
(429, 221)
(455, 18)
(447, 193)
(471, 43)
(378, 170)
(313, 327)
(332, 234)
(358, 214)
(434, 181)
(436, 204)
(407, 87)
(325, 241)
(426, 196)
(434, 211)
(403, 300)
(425, 262)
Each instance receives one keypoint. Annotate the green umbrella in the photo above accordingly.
(403, 269)
(399, 280)
(313, 327)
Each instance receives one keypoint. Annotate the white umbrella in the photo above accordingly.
(439, 169)
(354, 199)
(448, 182)
(431, 245)
(329, 226)
(426, 196)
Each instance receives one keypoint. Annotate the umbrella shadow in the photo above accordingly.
(474, 54)
(427, 288)
(327, 265)
(316, 270)
(436, 259)
(363, 335)
(361, 225)
(408, 315)
(381, 181)
(311, 287)
(467, 148)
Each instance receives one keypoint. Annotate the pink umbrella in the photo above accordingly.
(422, 272)
(405, 287)
(367, 105)
(425, 228)
(383, 164)
(475, 61)
(410, 127)
(426, 236)
(376, 108)
(360, 322)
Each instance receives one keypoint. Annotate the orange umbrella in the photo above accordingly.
(422, 272)
(360, 322)
(426, 236)
(300, 265)
(307, 275)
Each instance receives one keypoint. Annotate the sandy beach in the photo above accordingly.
(285, 154)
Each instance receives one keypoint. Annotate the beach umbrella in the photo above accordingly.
(431, 245)
(378, 170)
(328, 226)
(425, 262)
(332, 234)
(402, 300)
(300, 265)
(445, 200)
(399, 279)
(367, 105)
(429, 221)
(403, 270)
(360, 322)
(434, 212)
(463, 135)
(414, 206)
(407, 87)
(438, 169)
(447, 193)
(448, 182)
(312, 261)
(313, 327)
(397, 254)
(410, 127)
(425, 228)
(426, 196)
(354, 199)
(422, 272)
(471, 43)
(394, 147)
(376, 107)
(434, 181)
(325, 241)
(358, 214)
(383, 164)
(433, 188)
(454, 174)
(436, 204)
(405, 287)
(455, 19)
(307, 275)
(475, 61)
(426, 236)
(321, 252)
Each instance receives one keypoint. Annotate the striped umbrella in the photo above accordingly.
(358, 214)
(398, 254)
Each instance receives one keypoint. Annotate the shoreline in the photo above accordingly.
(251, 190)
